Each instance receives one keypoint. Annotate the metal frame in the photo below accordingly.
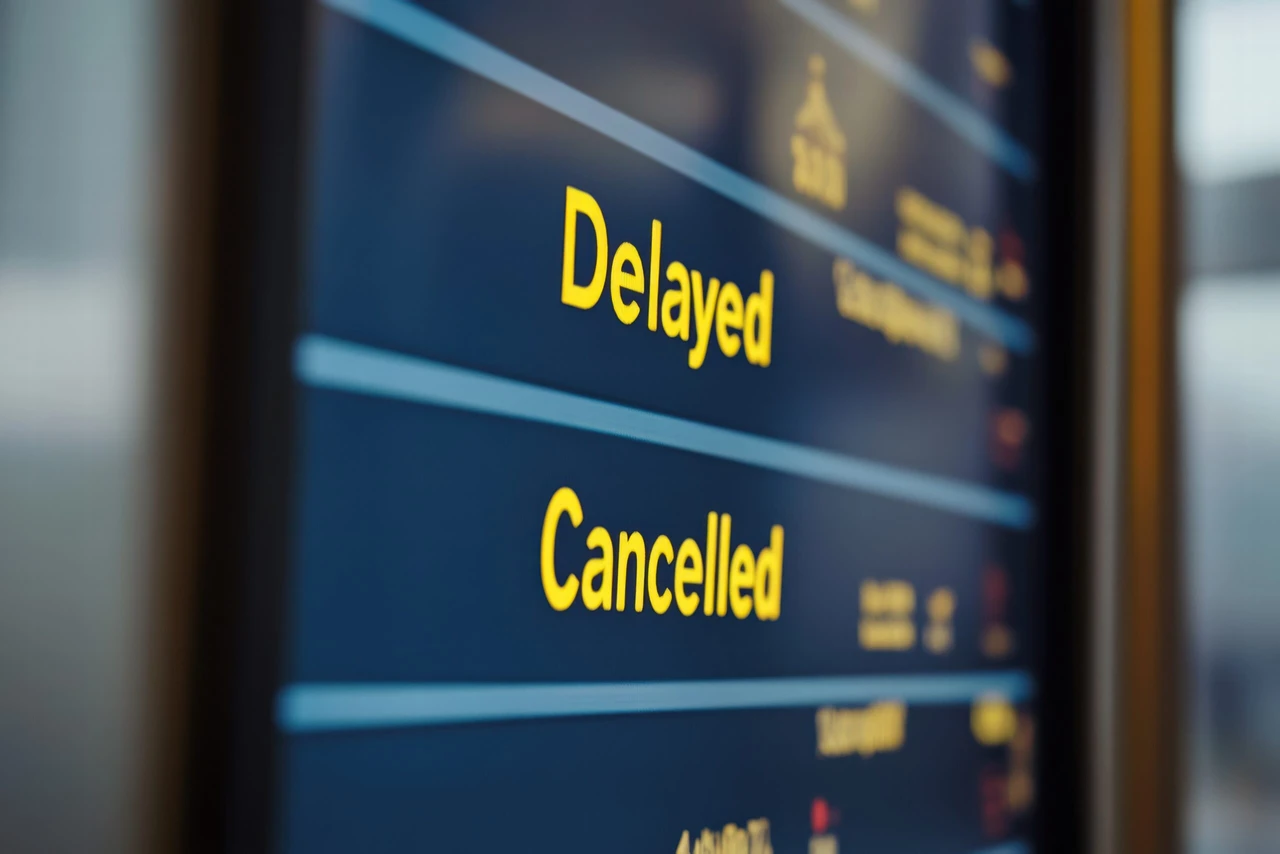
(1150, 644)
(1107, 271)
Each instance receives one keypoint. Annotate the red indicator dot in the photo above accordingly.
(820, 816)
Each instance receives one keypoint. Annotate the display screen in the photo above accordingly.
(664, 461)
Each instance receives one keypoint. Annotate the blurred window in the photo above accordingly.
(1228, 138)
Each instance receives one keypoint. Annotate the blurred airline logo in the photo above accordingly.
(818, 144)
(866, 7)
(992, 66)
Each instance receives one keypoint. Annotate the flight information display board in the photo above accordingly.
(665, 467)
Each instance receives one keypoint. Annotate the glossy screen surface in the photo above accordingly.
(666, 447)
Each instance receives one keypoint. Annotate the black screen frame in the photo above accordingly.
(264, 56)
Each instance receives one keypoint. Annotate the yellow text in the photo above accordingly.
(937, 241)
(993, 720)
(752, 839)
(723, 578)
(879, 728)
(886, 308)
(689, 307)
(887, 615)
(991, 65)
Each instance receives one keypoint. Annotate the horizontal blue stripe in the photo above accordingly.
(331, 363)
(431, 33)
(982, 133)
(318, 707)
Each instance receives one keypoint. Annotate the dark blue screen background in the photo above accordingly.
(434, 229)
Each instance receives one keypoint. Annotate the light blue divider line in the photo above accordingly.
(435, 35)
(332, 363)
(951, 109)
(1018, 847)
(322, 707)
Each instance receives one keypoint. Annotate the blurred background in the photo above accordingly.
(1228, 154)
(91, 161)
(81, 166)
